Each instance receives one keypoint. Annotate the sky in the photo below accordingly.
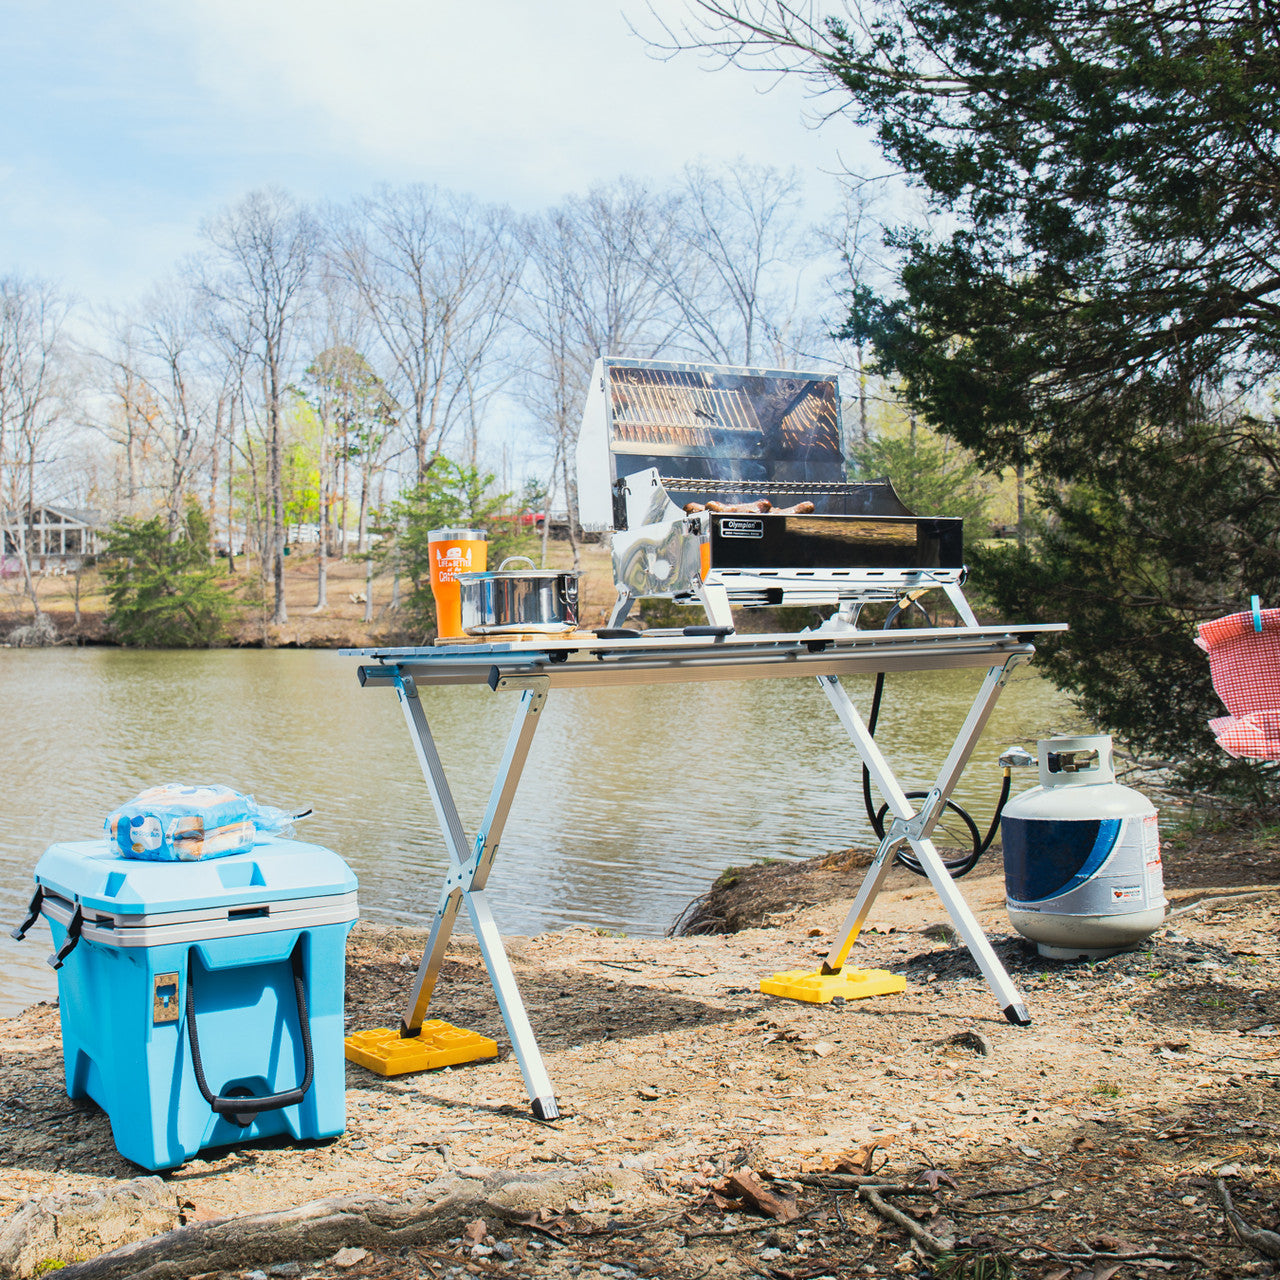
(123, 125)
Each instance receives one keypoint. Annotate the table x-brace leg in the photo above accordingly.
(468, 875)
(915, 827)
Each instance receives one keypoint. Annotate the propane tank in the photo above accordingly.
(1082, 870)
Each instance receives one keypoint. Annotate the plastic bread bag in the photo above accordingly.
(181, 823)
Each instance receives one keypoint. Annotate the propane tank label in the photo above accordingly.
(1083, 866)
(1151, 839)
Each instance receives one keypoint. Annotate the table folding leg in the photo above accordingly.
(914, 827)
(608, 662)
(468, 875)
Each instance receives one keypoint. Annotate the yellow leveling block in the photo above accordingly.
(438, 1045)
(821, 988)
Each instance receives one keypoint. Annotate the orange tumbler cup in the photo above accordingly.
(453, 551)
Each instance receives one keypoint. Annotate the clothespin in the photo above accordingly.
(1255, 604)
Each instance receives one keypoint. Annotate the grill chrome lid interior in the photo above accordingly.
(658, 437)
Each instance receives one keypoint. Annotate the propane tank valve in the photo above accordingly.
(1072, 761)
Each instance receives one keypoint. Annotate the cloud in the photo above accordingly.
(513, 100)
(121, 126)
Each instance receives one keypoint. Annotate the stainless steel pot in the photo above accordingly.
(537, 601)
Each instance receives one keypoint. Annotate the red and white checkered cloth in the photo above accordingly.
(1245, 665)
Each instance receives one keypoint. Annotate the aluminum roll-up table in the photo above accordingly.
(530, 669)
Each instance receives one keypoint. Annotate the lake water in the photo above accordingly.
(632, 802)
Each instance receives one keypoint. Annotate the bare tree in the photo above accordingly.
(257, 276)
(356, 416)
(126, 416)
(781, 37)
(179, 393)
(730, 263)
(437, 273)
(223, 445)
(855, 237)
(33, 393)
(230, 416)
(588, 289)
(321, 388)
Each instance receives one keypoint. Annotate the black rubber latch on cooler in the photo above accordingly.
(69, 942)
(33, 914)
(243, 1108)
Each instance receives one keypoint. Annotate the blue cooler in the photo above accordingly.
(202, 1002)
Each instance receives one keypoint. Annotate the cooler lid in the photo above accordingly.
(95, 873)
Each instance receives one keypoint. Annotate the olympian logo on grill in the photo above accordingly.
(741, 528)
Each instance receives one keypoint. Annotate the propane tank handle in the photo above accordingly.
(1071, 761)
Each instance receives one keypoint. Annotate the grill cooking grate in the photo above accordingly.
(741, 416)
(659, 400)
(754, 488)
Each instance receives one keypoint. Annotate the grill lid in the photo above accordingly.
(706, 423)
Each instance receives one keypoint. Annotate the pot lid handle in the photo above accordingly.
(513, 559)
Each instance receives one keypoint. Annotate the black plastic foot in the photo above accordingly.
(407, 1032)
(546, 1109)
(1018, 1015)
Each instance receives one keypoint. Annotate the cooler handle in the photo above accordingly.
(33, 914)
(243, 1110)
(69, 943)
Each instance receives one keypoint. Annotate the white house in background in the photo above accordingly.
(56, 537)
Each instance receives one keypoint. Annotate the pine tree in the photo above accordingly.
(163, 592)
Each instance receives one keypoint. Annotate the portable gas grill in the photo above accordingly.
(658, 438)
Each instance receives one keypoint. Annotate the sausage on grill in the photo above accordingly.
(763, 507)
(741, 508)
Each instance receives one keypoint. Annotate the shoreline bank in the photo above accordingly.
(1098, 1132)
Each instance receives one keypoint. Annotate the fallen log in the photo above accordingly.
(314, 1230)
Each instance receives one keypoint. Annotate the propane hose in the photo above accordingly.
(956, 867)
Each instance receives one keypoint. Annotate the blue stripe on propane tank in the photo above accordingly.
(1044, 858)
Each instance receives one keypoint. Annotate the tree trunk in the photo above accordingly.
(275, 478)
(310, 1231)
(571, 501)
(231, 527)
(322, 546)
(862, 396)
(342, 514)
(362, 531)
(24, 546)
(1020, 472)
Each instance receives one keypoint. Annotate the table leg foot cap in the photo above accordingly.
(546, 1109)
(1018, 1015)
(437, 1044)
(821, 988)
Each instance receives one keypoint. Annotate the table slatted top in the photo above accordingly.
(584, 660)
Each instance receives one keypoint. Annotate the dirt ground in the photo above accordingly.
(710, 1131)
